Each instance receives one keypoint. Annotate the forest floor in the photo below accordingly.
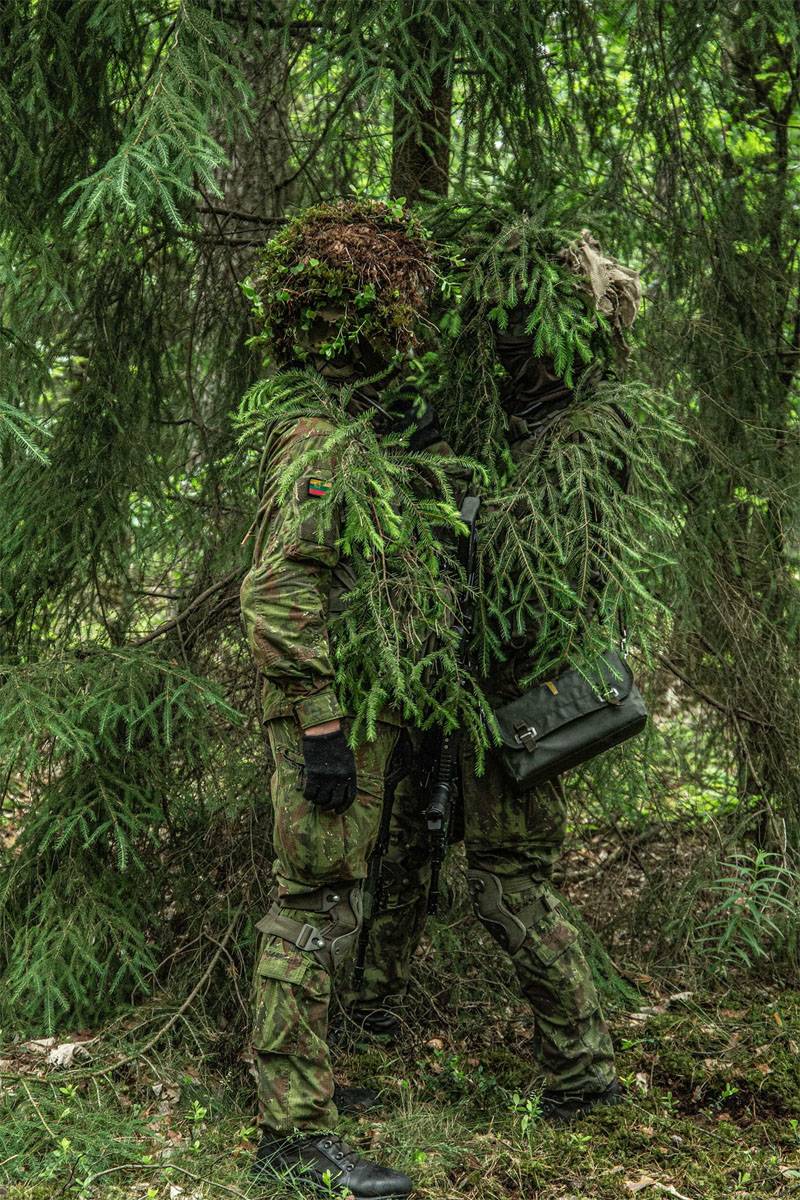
(712, 1111)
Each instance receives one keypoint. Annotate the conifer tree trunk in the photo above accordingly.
(422, 129)
(256, 185)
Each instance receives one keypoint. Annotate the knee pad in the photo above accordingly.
(334, 938)
(505, 927)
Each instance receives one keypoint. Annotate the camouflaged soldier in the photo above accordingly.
(327, 804)
(327, 800)
(512, 842)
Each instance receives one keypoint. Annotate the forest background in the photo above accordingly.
(147, 152)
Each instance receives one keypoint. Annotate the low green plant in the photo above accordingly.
(528, 1110)
(755, 905)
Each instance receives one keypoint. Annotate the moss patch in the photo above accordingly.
(339, 274)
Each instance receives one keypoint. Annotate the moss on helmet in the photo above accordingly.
(341, 273)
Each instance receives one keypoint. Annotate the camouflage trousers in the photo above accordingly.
(512, 843)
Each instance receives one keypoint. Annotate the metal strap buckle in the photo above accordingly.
(526, 736)
(309, 936)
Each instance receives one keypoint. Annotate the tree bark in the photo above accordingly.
(422, 129)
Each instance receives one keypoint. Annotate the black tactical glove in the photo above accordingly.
(330, 772)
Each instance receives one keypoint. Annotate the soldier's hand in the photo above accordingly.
(330, 772)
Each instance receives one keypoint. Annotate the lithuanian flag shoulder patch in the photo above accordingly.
(318, 487)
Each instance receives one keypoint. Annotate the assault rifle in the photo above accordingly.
(444, 785)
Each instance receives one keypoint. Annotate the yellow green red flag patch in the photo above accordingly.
(318, 487)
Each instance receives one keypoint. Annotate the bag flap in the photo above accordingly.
(566, 698)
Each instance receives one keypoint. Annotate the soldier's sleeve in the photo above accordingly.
(285, 594)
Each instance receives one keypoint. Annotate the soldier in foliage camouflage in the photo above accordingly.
(327, 802)
(512, 841)
(327, 798)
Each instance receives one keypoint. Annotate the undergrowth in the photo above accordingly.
(712, 1110)
(689, 930)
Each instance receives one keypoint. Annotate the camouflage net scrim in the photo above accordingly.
(341, 273)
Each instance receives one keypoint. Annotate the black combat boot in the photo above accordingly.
(562, 1107)
(352, 1101)
(307, 1160)
(377, 1022)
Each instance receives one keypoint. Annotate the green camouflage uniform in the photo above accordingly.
(512, 843)
(309, 935)
(297, 579)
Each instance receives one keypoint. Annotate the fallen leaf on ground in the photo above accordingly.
(644, 1014)
(65, 1054)
(647, 1181)
(39, 1045)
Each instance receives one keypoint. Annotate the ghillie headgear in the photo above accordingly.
(537, 384)
(574, 302)
(544, 302)
(341, 277)
(615, 289)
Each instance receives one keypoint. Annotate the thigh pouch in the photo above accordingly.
(330, 942)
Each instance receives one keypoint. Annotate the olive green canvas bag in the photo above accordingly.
(569, 720)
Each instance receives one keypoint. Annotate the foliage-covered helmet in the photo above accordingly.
(534, 279)
(353, 271)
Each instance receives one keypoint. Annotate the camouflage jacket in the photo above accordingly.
(285, 595)
(299, 577)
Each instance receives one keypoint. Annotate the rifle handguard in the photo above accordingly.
(439, 811)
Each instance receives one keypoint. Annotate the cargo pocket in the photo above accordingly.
(565, 972)
(360, 824)
(551, 936)
(292, 992)
(546, 812)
